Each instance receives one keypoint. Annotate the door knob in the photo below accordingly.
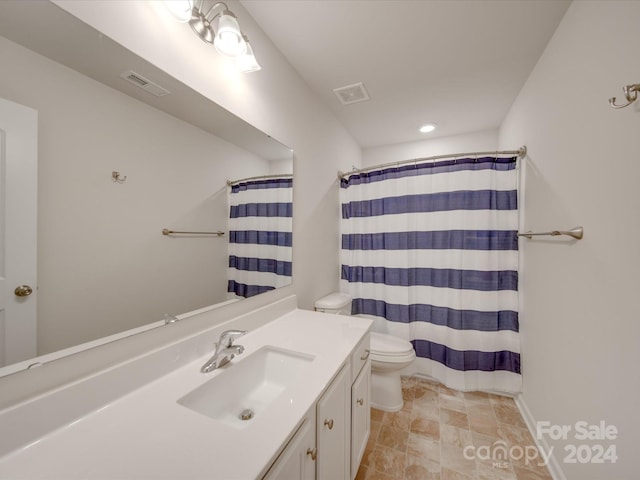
(23, 291)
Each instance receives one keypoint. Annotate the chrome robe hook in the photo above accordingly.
(630, 93)
(118, 178)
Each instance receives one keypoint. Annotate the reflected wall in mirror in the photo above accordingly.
(103, 264)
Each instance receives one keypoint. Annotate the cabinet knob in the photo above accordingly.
(360, 401)
(23, 291)
(329, 423)
(366, 355)
(313, 453)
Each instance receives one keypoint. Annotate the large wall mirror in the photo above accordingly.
(103, 264)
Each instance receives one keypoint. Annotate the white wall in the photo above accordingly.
(470, 142)
(103, 265)
(579, 318)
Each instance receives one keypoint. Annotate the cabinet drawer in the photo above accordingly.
(359, 356)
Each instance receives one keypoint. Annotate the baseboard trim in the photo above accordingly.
(554, 466)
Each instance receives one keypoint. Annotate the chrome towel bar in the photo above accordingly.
(576, 232)
(166, 231)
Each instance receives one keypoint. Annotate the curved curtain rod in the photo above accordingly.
(260, 177)
(521, 152)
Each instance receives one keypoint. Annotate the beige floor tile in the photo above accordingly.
(393, 438)
(484, 424)
(426, 411)
(451, 392)
(447, 474)
(502, 399)
(474, 408)
(425, 396)
(453, 436)
(492, 470)
(362, 473)
(407, 406)
(387, 460)
(480, 440)
(376, 415)
(453, 458)
(452, 403)
(426, 440)
(509, 414)
(477, 397)
(426, 427)
(375, 475)
(408, 394)
(408, 381)
(526, 474)
(454, 418)
(418, 468)
(427, 383)
(517, 436)
(420, 446)
(401, 419)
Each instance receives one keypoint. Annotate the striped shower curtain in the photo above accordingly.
(260, 226)
(431, 252)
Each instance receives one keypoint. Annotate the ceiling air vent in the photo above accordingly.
(144, 83)
(351, 93)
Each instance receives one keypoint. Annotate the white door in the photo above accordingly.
(18, 228)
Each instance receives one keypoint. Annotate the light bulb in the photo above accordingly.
(180, 9)
(229, 39)
(429, 127)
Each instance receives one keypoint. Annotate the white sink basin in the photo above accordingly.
(247, 385)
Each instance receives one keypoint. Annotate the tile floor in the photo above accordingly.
(428, 438)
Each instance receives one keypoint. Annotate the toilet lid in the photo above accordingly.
(333, 301)
(382, 344)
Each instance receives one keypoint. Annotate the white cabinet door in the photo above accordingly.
(360, 416)
(298, 460)
(334, 429)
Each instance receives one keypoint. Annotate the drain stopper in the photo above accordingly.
(246, 414)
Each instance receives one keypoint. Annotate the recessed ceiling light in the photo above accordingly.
(429, 127)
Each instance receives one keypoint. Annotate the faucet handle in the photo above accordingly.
(228, 336)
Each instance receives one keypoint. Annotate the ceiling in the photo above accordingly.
(457, 63)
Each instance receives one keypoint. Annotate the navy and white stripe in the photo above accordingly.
(432, 249)
(260, 236)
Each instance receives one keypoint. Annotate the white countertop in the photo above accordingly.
(147, 435)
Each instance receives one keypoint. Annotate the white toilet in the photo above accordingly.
(388, 355)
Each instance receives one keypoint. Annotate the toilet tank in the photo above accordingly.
(337, 303)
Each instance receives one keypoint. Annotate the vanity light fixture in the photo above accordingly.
(203, 16)
(429, 127)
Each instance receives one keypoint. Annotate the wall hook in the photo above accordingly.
(118, 178)
(630, 93)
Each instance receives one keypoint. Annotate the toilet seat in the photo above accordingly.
(389, 346)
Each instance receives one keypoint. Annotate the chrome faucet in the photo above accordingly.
(225, 350)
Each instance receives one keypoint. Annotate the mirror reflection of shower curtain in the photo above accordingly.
(260, 231)
(431, 251)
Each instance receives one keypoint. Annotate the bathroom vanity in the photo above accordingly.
(294, 404)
